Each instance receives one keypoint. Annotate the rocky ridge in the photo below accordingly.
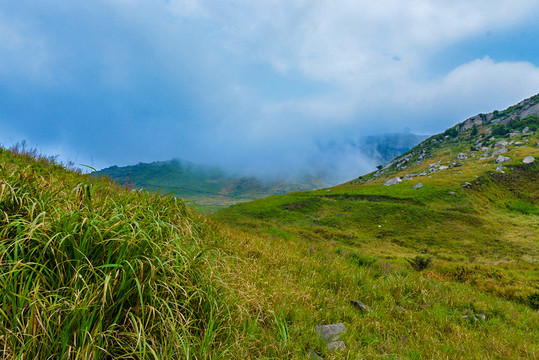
(487, 137)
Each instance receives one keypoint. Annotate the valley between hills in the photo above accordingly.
(432, 256)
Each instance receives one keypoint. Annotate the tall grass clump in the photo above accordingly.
(92, 271)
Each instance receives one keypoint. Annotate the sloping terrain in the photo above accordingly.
(451, 208)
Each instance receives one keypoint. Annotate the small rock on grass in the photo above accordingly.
(417, 186)
(330, 332)
(360, 305)
(528, 159)
(393, 181)
(502, 159)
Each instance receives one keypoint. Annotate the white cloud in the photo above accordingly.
(368, 57)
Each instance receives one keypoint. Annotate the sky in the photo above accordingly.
(250, 84)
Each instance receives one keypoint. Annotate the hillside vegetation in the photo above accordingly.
(92, 270)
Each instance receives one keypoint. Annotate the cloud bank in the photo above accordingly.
(253, 85)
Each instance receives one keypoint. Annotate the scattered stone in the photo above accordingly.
(443, 167)
(500, 151)
(512, 134)
(461, 156)
(502, 159)
(316, 220)
(525, 130)
(528, 159)
(417, 186)
(336, 345)
(499, 168)
(467, 184)
(501, 144)
(393, 181)
(360, 305)
(520, 143)
(311, 249)
(330, 332)
(452, 193)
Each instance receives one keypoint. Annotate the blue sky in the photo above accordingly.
(253, 84)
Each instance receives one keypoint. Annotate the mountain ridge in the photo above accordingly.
(480, 132)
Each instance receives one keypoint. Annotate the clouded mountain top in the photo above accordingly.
(214, 186)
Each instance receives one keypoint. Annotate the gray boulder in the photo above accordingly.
(499, 168)
(417, 186)
(528, 159)
(500, 151)
(501, 159)
(393, 181)
(330, 332)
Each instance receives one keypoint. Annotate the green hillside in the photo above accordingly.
(93, 270)
(450, 199)
(209, 187)
(472, 225)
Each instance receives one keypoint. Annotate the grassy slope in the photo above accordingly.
(90, 270)
(483, 241)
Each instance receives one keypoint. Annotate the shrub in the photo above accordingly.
(499, 130)
(420, 263)
(451, 132)
(533, 300)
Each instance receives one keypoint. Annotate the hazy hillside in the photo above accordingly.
(210, 187)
